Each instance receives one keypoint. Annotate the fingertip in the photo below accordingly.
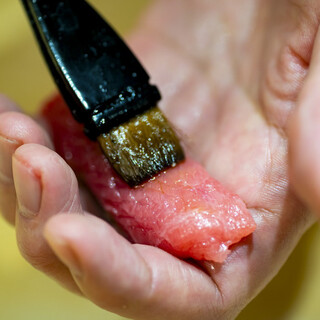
(60, 191)
(59, 233)
(63, 229)
(22, 129)
(16, 129)
(105, 266)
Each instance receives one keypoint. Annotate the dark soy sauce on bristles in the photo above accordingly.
(142, 147)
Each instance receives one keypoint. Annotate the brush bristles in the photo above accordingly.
(142, 147)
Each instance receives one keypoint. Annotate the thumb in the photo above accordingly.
(304, 137)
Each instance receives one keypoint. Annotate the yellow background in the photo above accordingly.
(26, 294)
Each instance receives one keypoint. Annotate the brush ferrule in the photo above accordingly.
(128, 103)
(142, 147)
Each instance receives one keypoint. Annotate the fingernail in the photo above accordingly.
(64, 252)
(7, 148)
(28, 189)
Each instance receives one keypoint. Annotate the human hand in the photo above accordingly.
(207, 57)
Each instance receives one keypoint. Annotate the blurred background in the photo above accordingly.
(26, 294)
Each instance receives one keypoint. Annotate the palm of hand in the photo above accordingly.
(230, 74)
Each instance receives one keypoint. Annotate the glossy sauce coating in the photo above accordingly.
(142, 147)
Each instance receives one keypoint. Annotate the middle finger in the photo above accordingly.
(16, 129)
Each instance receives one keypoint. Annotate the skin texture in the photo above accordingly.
(239, 81)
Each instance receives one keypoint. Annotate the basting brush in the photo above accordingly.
(105, 87)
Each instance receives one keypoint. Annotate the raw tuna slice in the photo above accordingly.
(183, 210)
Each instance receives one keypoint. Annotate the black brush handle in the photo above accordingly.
(101, 80)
